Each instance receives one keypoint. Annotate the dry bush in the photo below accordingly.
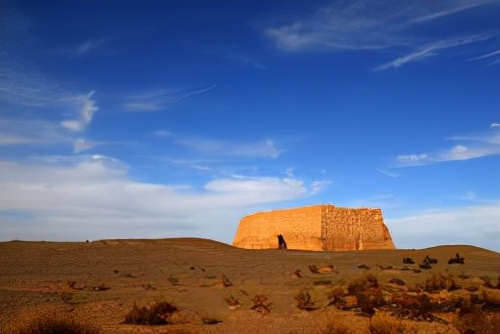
(439, 282)
(225, 281)
(477, 322)
(488, 282)
(369, 299)
(260, 305)
(412, 306)
(336, 295)
(335, 328)
(211, 321)
(382, 323)
(233, 303)
(486, 301)
(362, 283)
(397, 281)
(304, 301)
(57, 325)
(156, 314)
(323, 282)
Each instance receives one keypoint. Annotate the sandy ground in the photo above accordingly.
(98, 283)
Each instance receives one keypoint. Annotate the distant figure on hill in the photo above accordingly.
(458, 259)
(430, 260)
(281, 242)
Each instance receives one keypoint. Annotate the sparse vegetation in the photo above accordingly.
(382, 323)
(439, 282)
(336, 295)
(446, 299)
(211, 321)
(335, 328)
(57, 325)
(260, 304)
(233, 303)
(304, 301)
(362, 283)
(156, 314)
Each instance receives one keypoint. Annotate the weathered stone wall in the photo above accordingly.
(318, 227)
(355, 229)
(301, 228)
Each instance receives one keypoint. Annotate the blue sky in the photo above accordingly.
(152, 119)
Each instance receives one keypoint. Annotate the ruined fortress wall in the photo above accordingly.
(318, 227)
(301, 228)
(354, 229)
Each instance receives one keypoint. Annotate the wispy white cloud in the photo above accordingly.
(88, 107)
(266, 149)
(89, 46)
(433, 48)
(34, 106)
(14, 132)
(81, 49)
(96, 192)
(450, 8)
(245, 59)
(159, 99)
(488, 56)
(473, 225)
(472, 147)
(372, 25)
(81, 145)
(388, 173)
(161, 134)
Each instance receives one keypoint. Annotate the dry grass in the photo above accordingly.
(381, 323)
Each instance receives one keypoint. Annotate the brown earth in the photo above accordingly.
(98, 282)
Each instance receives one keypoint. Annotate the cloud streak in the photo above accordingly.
(263, 149)
(376, 25)
(160, 99)
(433, 48)
(473, 147)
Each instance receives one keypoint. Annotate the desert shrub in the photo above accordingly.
(397, 281)
(225, 281)
(260, 304)
(323, 282)
(382, 323)
(488, 282)
(485, 301)
(368, 300)
(211, 321)
(314, 269)
(439, 282)
(304, 301)
(55, 325)
(232, 302)
(477, 322)
(156, 314)
(335, 328)
(174, 280)
(336, 295)
(362, 283)
(412, 306)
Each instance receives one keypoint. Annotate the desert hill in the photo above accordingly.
(98, 282)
